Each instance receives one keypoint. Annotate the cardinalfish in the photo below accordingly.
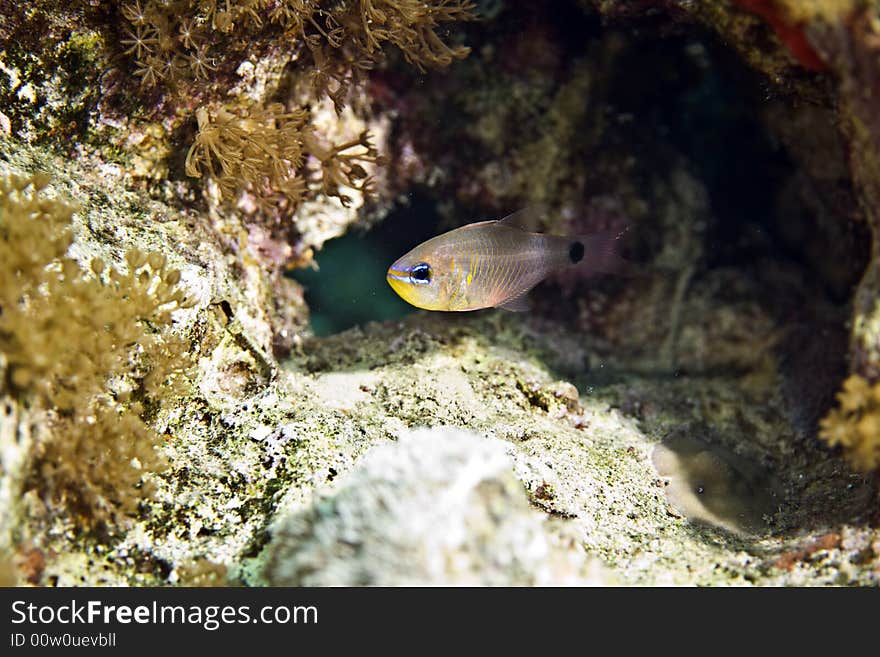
(494, 264)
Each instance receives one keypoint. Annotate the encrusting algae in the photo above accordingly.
(855, 423)
(87, 351)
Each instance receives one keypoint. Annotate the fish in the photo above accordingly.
(494, 264)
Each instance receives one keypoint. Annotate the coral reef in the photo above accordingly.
(582, 452)
(240, 84)
(721, 288)
(168, 417)
(110, 314)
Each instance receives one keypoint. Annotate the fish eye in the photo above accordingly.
(421, 273)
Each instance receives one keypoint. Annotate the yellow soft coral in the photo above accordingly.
(855, 423)
(260, 148)
(172, 42)
(89, 349)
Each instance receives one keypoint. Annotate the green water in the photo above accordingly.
(349, 287)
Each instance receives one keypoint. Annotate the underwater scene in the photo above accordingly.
(439, 292)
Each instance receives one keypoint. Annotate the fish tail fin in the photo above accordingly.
(598, 253)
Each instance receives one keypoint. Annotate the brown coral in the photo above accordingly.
(260, 149)
(177, 40)
(855, 423)
(342, 165)
(263, 150)
(86, 349)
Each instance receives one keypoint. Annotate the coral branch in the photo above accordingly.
(87, 348)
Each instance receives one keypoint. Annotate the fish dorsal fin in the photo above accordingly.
(529, 218)
(517, 304)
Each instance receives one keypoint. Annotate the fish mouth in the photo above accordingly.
(398, 280)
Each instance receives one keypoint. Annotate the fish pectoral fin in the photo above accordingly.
(517, 304)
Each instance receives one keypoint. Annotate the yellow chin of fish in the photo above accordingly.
(406, 291)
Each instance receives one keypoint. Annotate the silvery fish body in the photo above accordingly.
(491, 264)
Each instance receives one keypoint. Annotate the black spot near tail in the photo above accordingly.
(576, 252)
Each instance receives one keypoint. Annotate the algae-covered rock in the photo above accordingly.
(123, 305)
(439, 507)
(581, 448)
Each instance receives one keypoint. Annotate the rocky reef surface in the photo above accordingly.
(167, 417)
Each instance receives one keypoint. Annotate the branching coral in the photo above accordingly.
(263, 150)
(855, 423)
(348, 39)
(88, 349)
(342, 165)
(269, 151)
(173, 40)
